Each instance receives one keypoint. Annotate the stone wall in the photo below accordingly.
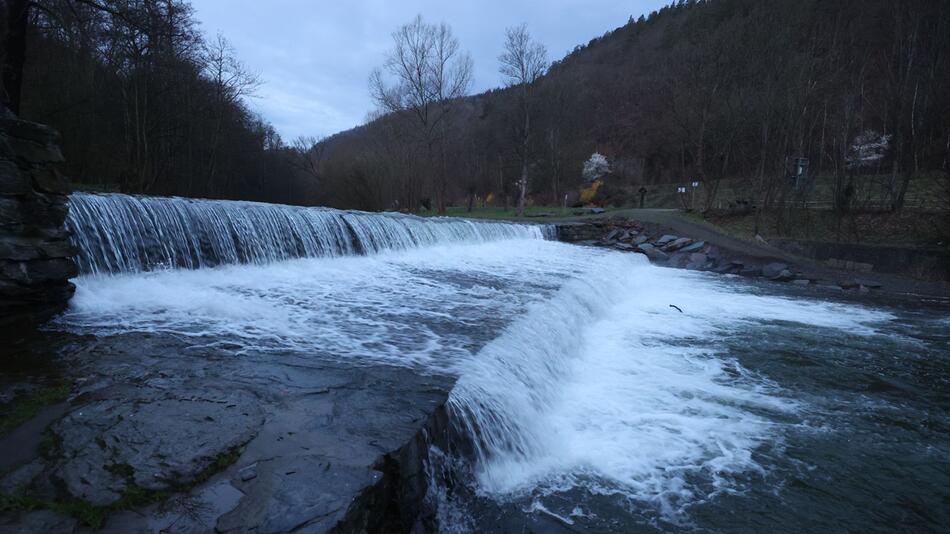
(35, 254)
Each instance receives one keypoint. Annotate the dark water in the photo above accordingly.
(589, 402)
(866, 449)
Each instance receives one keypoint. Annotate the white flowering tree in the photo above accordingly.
(595, 167)
(868, 149)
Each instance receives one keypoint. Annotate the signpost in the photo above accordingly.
(796, 169)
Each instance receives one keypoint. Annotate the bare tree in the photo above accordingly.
(309, 152)
(232, 81)
(522, 63)
(424, 71)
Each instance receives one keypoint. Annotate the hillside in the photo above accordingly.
(718, 92)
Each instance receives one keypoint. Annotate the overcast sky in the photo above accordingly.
(314, 56)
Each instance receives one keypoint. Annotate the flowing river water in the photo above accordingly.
(589, 402)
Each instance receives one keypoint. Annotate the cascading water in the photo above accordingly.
(584, 397)
(121, 233)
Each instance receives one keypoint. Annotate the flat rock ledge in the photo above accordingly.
(163, 435)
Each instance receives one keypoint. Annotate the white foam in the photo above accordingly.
(607, 387)
(575, 372)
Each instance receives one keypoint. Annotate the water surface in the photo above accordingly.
(592, 403)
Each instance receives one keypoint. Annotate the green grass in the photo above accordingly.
(911, 228)
(25, 406)
(532, 213)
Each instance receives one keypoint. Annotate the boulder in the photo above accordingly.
(697, 257)
(678, 259)
(677, 244)
(666, 239)
(641, 239)
(868, 283)
(751, 271)
(726, 268)
(695, 247)
(697, 261)
(783, 276)
(771, 270)
(652, 252)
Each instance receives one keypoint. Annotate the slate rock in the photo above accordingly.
(45, 521)
(666, 239)
(677, 244)
(783, 276)
(50, 180)
(12, 181)
(678, 259)
(697, 257)
(774, 269)
(751, 271)
(695, 247)
(653, 253)
(726, 268)
(108, 444)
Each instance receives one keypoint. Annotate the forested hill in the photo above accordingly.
(697, 91)
(701, 91)
(144, 101)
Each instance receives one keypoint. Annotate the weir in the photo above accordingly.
(505, 385)
(116, 233)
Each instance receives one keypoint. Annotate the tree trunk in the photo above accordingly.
(18, 18)
(522, 188)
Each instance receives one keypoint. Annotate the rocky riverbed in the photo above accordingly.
(162, 434)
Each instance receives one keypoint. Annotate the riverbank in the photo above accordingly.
(825, 267)
(673, 241)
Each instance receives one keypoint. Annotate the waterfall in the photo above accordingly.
(121, 233)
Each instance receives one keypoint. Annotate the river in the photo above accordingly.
(597, 392)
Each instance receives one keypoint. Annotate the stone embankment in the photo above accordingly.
(663, 247)
(35, 254)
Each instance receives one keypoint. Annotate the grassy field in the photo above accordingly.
(912, 228)
(532, 213)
